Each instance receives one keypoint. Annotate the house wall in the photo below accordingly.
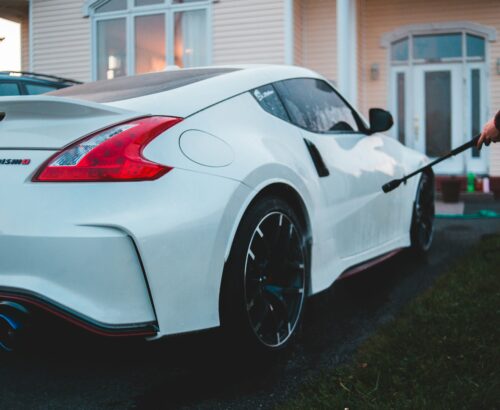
(297, 32)
(319, 36)
(248, 32)
(379, 17)
(25, 38)
(61, 39)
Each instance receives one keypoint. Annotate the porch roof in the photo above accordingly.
(15, 10)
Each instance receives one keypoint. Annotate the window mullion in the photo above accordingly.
(130, 44)
(170, 37)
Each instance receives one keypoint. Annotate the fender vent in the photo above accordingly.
(317, 159)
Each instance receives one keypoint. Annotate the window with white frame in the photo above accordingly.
(141, 36)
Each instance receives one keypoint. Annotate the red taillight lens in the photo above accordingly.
(114, 154)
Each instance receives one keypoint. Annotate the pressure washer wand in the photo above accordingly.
(392, 185)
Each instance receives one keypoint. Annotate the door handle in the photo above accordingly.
(416, 128)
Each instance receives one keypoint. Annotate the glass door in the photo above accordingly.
(438, 121)
(475, 115)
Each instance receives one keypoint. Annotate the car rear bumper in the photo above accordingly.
(118, 256)
(92, 275)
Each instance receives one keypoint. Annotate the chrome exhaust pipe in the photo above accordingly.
(13, 322)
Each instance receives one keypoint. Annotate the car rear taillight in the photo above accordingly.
(113, 154)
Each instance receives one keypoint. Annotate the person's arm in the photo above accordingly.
(491, 131)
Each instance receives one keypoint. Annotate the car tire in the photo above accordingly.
(422, 225)
(265, 279)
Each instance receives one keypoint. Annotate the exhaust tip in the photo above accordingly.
(13, 322)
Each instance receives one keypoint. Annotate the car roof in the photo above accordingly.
(46, 79)
(181, 92)
(123, 88)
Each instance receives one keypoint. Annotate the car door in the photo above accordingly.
(355, 166)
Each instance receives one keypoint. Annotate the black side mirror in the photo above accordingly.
(380, 120)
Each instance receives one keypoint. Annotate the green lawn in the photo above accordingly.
(442, 352)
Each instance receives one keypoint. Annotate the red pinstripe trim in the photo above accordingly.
(366, 265)
(33, 301)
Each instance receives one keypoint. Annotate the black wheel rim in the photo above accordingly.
(424, 212)
(275, 279)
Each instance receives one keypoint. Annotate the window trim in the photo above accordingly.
(463, 58)
(167, 8)
(363, 128)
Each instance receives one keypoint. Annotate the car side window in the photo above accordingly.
(8, 88)
(270, 101)
(314, 105)
(34, 89)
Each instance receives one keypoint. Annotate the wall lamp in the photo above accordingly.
(375, 71)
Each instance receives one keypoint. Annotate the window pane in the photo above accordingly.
(150, 43)
(399, 50)
(190, 38)
(475, 46)
(475, 106)
(9, 89)
(111, 49)
(314, 105)
(112, 5)
(401, 124)
(33, 89)
(139, 3)
(268, 99)
(437, 47)
(185, 1)
(437, 113)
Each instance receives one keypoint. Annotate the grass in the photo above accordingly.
(442, 352)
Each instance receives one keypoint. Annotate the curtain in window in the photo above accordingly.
(190, 38)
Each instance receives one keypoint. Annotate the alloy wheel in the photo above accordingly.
(275, 277)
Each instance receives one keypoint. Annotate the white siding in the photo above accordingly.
(248, 32)
(61, 39)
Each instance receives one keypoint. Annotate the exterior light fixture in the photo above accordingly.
(374, 72)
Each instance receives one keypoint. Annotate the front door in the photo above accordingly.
(438, 121)
(438, 96)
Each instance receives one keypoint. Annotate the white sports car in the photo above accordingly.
(184, 200)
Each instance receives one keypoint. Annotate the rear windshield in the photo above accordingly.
(123, 88)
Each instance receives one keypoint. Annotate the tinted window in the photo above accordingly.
(9, 88)
(314, 105)
(268, 99)
(33, 89)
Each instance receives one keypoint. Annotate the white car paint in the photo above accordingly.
(135, 252)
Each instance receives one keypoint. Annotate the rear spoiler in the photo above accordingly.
(51, 122)
(54, 107)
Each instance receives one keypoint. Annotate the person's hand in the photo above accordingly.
(489, 134)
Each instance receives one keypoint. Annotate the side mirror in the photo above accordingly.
(380, 120)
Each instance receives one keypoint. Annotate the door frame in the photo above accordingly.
(477, 165)
(471, 164)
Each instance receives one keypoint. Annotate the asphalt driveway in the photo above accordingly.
(67, 370)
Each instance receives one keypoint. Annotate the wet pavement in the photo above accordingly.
(62, 369)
